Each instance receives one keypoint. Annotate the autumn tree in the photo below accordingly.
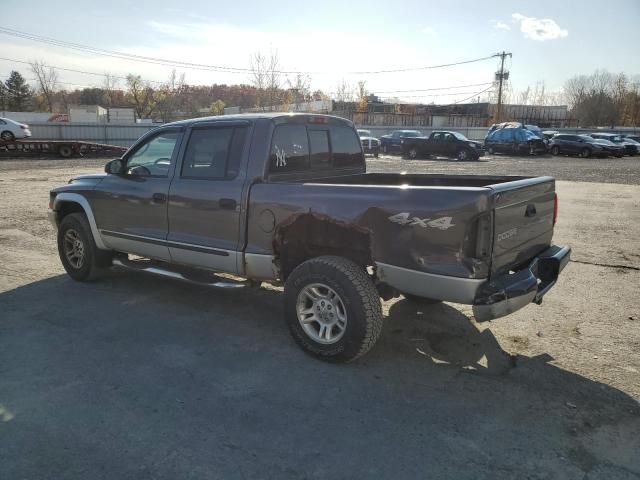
(265, 76)
(141, 96)
(46, 81)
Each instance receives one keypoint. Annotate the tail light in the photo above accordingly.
(555, 208)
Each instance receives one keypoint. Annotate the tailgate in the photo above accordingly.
(523, 221)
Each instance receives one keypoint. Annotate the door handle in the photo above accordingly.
(159, 198)
(530, 211)
(227, 203)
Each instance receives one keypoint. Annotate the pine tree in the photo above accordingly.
(18, 93)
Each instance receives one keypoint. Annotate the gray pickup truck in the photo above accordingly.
(286, 199)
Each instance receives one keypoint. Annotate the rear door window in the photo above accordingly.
(289, 149)
(213, 152)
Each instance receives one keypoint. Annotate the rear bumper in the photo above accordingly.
(510, 292)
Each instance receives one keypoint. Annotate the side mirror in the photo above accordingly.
(114, 167)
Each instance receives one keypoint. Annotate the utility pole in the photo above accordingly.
(500, 76)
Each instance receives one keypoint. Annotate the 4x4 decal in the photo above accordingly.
(405, 218)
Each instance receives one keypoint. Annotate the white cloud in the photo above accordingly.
(501, 25)
(539, 29)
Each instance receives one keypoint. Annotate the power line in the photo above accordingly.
(74, 71)
(436, 88)
(474, 95)
(199, 66)
(159, 82)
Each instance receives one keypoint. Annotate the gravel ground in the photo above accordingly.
(135, 377)
(624, 170)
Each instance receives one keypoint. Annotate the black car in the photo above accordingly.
(629, 147)
(613, 149)
(442, 144)
(514, 140)
(581, 145)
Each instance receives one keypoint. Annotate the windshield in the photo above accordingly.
(460, 136)
(411, 133)
(364, 133)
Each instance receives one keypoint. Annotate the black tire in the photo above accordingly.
(65, 151)
(94, 261)
(585, 153)
(358, 295)
(421, 300)
(376, 154)
(555, 150)
(491, 151)
(412, 154)
(7, 136)
(462, 155)
(385, 150)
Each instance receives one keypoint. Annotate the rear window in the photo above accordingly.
(289, 149)
(296, 148)
(347, 151)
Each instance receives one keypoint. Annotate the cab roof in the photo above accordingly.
(257, 116)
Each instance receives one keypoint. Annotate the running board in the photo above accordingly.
(140, 267)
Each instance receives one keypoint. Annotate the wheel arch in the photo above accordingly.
(311, 235)
(67, 202)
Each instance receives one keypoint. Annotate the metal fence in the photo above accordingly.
(121, 134)
(126, 134)
(478, 133)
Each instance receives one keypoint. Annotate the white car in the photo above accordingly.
(370, 144)
(10, 130)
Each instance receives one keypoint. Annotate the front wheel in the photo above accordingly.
(585, 153)
(555, 151)
(385, 149)
(7, 136)
(80, 256)
(412, 153)
(332, 308)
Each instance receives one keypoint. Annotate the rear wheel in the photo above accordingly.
(491, 151)
(422, 300)
(585, 153)
(555, 150)
(65, 151)
(7, 136)
(80, 256)
(332, 308)
(385, 150)
(412, 153)
(462, 155)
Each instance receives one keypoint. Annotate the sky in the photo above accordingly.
(550, 41)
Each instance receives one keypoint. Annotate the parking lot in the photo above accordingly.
(139, 377)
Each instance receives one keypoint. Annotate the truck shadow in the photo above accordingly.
(149, 365)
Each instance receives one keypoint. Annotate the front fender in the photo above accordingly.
(86, 207)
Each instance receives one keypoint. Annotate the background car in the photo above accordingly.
(514, 140)
(370, 144)
(10, 130)
(635, 137)
(613, 149)
(393, 141)
(629, 147)
(581, 145)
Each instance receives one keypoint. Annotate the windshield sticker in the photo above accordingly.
(281, 157)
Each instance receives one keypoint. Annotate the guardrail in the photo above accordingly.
(123, 135)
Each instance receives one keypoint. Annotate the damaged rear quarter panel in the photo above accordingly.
(369, 209)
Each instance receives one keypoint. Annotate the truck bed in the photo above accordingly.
(420, 180)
